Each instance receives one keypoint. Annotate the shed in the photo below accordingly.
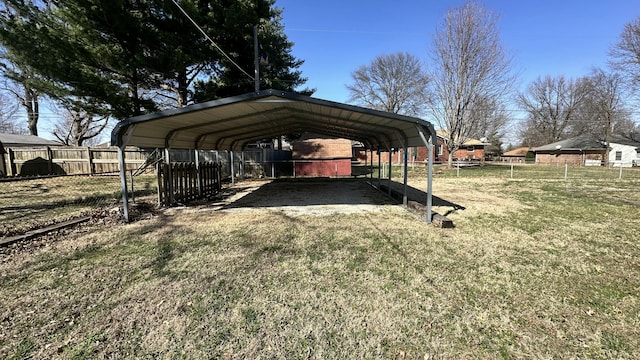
(232, 123)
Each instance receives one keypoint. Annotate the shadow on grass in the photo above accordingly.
(417, 195)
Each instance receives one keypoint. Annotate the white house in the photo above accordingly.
(624, 151)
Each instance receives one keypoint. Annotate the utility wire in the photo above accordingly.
(212, 42)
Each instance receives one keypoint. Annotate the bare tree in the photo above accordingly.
(77, 127)
(491, 124)
(552, 105)
(18, 82)
(626, 53)
(394, 83)
(605, 107)
(7, 110)
(469, 65)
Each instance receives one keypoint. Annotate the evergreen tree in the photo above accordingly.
(128, 57)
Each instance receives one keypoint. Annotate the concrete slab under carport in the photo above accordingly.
(304, 196)
(321, 196)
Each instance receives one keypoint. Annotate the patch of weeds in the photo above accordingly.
(251, 319)
(23, 350)
(358, 261)
(165, 253)
(88, 348)
(613, 342)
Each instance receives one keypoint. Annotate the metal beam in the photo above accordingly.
(405, 160)
(429, 144)
(123, 183)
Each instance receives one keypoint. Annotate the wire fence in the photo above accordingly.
(32, 203)
(559, 171)
(28, 203)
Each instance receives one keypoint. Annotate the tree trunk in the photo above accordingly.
(30, 104)
(183, 88)
(450, 160)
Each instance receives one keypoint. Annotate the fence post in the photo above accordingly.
(49, 160)
(11, 164)
(566, 170)
(198, 175)
(90, 160)
(133, 192)
(620, 175)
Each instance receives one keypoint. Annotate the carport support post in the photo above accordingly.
(378, 152)
(123, 182)
(198, 177)
(429, 181)
(405, 160)
(233, 173)
(429, 144)
(371, 167)
(242, 164)
(169, 175)
(389, 181)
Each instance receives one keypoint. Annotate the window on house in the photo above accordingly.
(470, 149)
(439, 149)
(618, 155)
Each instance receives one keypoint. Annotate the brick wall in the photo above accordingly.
(335, 167)
(322, 149)
(327, 157)
(570, 158)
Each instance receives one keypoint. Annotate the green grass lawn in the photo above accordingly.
(536, 267)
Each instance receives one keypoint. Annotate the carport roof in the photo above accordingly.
(231, 123)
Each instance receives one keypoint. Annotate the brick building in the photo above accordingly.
(315, 155)
(471, 150)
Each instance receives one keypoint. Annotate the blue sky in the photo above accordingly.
(544, 37)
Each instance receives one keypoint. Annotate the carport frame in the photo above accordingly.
(231, 123)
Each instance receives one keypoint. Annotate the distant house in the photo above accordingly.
(591, 151)
(471, 150)
(14, 140)
(581, 150)
(624, 151)
(518, 155)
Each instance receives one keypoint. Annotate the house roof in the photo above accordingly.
(14, 140)
(230, 123)
(578, 143)
(443, 134)
(628, 139)
(521, 151)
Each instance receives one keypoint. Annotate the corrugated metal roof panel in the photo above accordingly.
(229, 124)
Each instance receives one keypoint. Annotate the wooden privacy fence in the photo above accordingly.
(183, 182)
(61, 160)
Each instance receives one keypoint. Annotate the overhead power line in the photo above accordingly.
(211, 40)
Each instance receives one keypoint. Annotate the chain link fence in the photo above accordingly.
(32, 203)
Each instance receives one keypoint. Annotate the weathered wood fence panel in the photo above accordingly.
(187, 181)
(59, 160)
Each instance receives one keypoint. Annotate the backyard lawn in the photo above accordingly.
(538, 266)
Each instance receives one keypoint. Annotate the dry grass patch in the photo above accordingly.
(548, 273)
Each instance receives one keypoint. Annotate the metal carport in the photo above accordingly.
(231, 123)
